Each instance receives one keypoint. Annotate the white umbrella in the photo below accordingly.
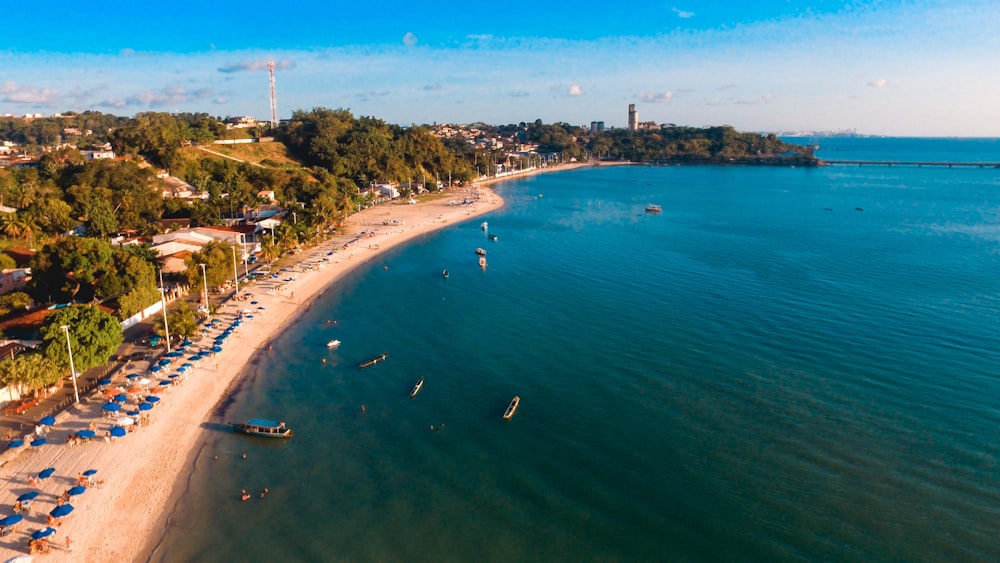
(124, 421)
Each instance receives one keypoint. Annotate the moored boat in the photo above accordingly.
(481, 251)
(333, 344)
(263, 427)
(444, 274)
(512, 408)
(653, 208)
(493, 237)
(417, 387)
(375, 360)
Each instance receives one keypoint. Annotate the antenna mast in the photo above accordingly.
(274, 104)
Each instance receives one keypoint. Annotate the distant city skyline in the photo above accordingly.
(919, 68)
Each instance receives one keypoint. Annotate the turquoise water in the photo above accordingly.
(746, 376)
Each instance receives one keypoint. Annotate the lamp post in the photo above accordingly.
(204, 282)
(166, 327)
(236, 273)
(72, 370)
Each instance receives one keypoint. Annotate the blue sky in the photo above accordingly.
(916, 68)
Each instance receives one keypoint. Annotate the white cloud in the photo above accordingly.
(880, 83)
(14, 94)
(657, 97)
(682, 13)
(255, 65)
(409, 39)
(168, 96)
(758, 101)
(435, 86)
(574, 90)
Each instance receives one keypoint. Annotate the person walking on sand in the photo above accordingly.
(69, 544)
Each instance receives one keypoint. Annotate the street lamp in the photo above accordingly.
(166, 327)
(236, 273)
(72, 370)
(204, 281)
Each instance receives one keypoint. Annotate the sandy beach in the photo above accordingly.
(121, 515)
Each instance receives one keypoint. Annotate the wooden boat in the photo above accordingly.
(444, 274)
(263, 427)
(333, 344)
(511, 408)
(480, 252)
(375, 360)
(653, 208)
(482, 262)
(416, 388)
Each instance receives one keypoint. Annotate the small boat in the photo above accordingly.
(653, 208)
(333, 344)
(416, 388)
(493, 237)
(485, 225)
(444, 274)
(482, 262)
(511, 408)
(263, 427)
(375, 360)
(481, 252)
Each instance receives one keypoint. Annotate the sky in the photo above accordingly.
(893, 67)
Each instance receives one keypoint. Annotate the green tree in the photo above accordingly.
(183, 322)
(94, 336)
(13, 301)
(30, 371)
(218, 259)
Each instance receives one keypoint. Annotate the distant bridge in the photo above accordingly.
(914, 163)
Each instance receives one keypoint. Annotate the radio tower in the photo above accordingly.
(274, 104)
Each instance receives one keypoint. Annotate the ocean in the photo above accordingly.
(785, 364)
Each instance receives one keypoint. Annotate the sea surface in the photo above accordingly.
(785, 364)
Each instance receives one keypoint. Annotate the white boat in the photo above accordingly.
(653, 208)
(261, 427)
(417, 387)
(481, 251)
(485, 225)
(333, 344)
(512, 408)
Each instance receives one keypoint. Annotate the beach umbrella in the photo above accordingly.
(253, 302)
(144, 406)
(186, 342)
(111, 407)
(181, 369)
(134, 389)
(38, 442)
(152, 399)
(43, 533)
(194, 357)
(61, 510)
(166, 382)
(125, 421)
(261, 308)
(118, 431)
(157, 389)
(163, 363)
(216, 349)
(106, 380)
(46, 473)
(130, 376)
(187, 365)
(155, 369)
(173, 376)
(77, 490)
(15, 444)
(120, 398)
(11, 520)
(90, 472)
(174, 354)
(132, 413)
(47, 420)
(30, 495)
(86, 434)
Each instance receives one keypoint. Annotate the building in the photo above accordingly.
(633, 118)
(596, 127)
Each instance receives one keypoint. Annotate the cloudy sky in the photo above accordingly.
(906, 67)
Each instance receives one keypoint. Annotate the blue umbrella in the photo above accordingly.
(155, 369)
(11, 520)
(253, 302)
(86, 433)
(145, 406)
(38, 442)
(46, 473)
(174, 376)
(166, 382)
(130, 376)
(77, 490)
(44, 533)
(118, 431)
(61, 510)
(30, 495)
(163, 363)
(181, 369)
(90, 472)
(174, 354)
(187, 365)
(47, 420)
(132, 413)
(152, 399)
(194, 357)
(106, 380)
(120, 398)
(15, 444)
(216, 349)
(111, 407)
(187, 342)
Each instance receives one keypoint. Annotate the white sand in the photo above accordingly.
(144, 472)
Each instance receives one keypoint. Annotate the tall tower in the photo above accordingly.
(633, 118)
(274, 103)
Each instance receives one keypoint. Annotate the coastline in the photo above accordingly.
(143, 475)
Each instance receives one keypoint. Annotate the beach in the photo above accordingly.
(139, 477)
